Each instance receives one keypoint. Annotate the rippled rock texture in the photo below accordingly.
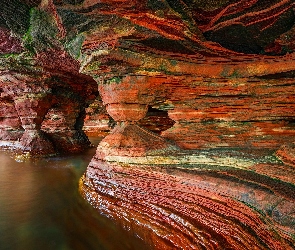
(219, 77)
(233, 193)
(209, 200)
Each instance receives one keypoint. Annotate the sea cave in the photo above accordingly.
(153, 124)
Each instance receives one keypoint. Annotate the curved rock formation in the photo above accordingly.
(222, 177)
(171, 195)
(204, 204)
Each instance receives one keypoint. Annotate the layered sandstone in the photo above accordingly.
(221, 175)
(173, 196)
(211, 201)
(42, 92)
(44, 111)
(232, 101)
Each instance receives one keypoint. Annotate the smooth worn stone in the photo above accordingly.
(132, 140)
(127, 112)
(217, 75)
(172, 206)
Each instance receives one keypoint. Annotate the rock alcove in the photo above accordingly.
(195, 101)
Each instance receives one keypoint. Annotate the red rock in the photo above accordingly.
(35, 142)
(211, 113)
(97, 121)
(10, 125)
(287, 154)
(127, 112)
(156, 121)
(131, 140)
(37, 95)
(8, 43)
(30, 104)
(222, 70)
(60, 126)
(166, 203)
(171, 207)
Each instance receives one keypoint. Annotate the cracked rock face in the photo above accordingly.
(219, 172)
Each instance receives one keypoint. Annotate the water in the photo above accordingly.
(41, 208)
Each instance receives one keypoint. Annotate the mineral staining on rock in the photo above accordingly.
(219, 172)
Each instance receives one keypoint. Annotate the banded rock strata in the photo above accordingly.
(221, 175)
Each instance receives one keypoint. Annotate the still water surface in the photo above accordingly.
(41, 208)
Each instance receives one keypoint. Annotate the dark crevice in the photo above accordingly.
(156, 120)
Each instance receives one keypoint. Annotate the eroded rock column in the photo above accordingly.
(10, 125)
(190, 198)
(32, 98)
(32, 108)
(127, 102)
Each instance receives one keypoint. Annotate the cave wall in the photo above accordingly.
(198, 99)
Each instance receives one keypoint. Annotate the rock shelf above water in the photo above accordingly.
(214, 80)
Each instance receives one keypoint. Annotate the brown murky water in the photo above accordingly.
(41, 208)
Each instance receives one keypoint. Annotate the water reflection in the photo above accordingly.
(40, 208)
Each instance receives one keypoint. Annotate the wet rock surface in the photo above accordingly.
(214, 201)
(219, 171)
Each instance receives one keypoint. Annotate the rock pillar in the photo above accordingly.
(127, 101)
(10, 125)
(30, 98)
(32, 108)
